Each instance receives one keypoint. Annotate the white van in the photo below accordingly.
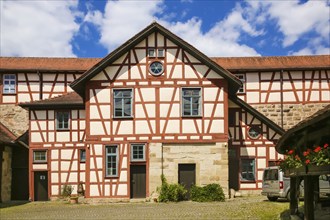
(275, 185)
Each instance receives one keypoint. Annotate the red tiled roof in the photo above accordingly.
(69, 99)
(281, 62)
(47, 63)
(230, 63)
(6, 136)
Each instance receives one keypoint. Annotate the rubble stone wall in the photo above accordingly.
(292, 113)
(15, 118)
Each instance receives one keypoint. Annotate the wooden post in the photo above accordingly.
(294, 195)
(309, 198)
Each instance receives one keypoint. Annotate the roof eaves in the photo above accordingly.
(256, 113)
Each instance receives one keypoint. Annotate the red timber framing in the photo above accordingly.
(37, 85)
(157, 100)
(260, 149)
(296, 86)
(63, 163)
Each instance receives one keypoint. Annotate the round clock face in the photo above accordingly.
(156, 68)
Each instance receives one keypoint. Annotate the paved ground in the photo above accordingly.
(239, 208)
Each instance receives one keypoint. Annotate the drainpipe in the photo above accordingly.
(281, 82)
(40, 84)
(162, 161)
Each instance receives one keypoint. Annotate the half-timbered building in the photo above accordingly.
(156, 105)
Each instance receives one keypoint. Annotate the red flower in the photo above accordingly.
(317, 149)
(306, 153)
(297, 157)
(326, 146)
(291, 152)
(307, 162)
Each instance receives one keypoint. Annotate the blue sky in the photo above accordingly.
(216, 27)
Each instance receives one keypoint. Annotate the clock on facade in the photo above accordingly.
(156, 68)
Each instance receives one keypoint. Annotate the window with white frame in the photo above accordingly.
(151, 52)
(191, 101)
(138, 152)
(160, 52)
(9, 83)
(40, 156)
(241, 77)
(111, 161)
(248, 170)
(122, 103)
(154, 53)
(62, 120)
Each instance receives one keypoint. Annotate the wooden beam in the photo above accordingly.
(309, 198)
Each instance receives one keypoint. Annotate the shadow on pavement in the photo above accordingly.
(13, 203)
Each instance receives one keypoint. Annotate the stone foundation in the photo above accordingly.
(15, 118)
(211, 163)
(292, 113)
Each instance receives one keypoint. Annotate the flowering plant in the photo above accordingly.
(316, 156)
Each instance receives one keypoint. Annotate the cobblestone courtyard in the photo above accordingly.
(240, 208)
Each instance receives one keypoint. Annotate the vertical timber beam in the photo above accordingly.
(294, 195)
(309, 198)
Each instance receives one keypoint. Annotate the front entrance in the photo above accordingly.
(41, 186)
(138, 181)
(187, 176)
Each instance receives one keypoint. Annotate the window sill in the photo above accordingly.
(62, 130)
(138, 161)
(39, 162)
(14, 93)
(191, 117)
(111, 177)
(248, 181)
(123, 118)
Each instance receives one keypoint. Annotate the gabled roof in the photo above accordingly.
(68, 101)
(317, 126)
(257, 114)
(79, 84)
(274, 63)
(6, 136)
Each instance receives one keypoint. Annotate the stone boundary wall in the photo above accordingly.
(292, 113)
(15, 118)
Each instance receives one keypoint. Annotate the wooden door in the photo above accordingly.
(187, 176)
(41, 186)
(138, 181)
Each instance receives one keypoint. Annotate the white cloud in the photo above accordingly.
(122, 20)
(295, 19)
(38, 28)
(126, 18)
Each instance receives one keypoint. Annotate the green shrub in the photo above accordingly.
(171, 192)
(209, 193)
(67, 190)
